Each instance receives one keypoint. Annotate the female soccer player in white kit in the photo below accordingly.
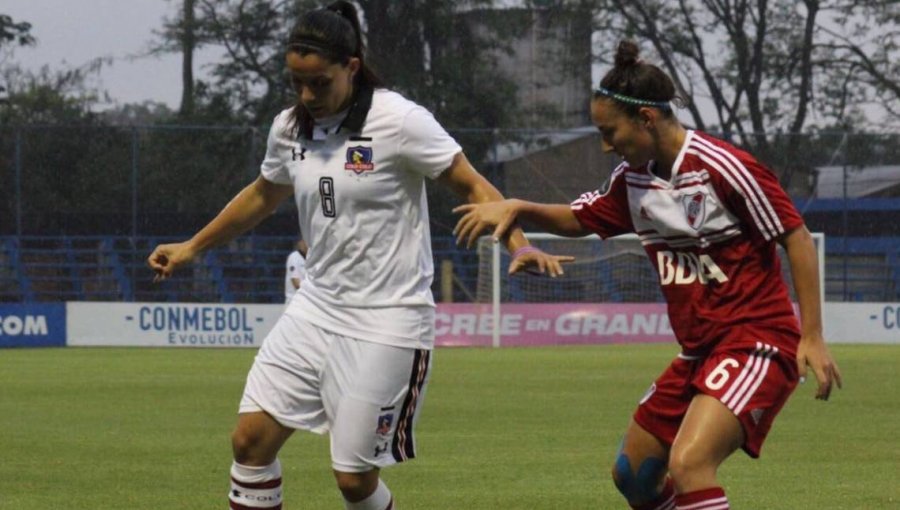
(351, 354)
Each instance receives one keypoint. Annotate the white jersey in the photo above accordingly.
(294, 268)
(360, 193)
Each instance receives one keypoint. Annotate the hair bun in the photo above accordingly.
(627, 54)
(345, 9)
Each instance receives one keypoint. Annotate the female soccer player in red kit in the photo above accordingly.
(708, 216)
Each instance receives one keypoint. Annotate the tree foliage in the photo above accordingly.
(445, 59)
(425, 50)
(768, 65)
(860, 58)
(763, 71)
(749, 67)
(247, 85)
(61, 96)
(14, 33)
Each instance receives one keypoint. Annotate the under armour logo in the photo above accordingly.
(294, 154)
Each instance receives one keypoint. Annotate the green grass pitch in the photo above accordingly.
(518, 428)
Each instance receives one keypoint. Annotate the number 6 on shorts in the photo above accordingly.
(720, 375)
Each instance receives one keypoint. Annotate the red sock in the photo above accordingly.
(665, 500)
(706, 499)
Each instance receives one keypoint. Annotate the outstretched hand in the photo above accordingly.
(502, 216)
(479, 217)
(813, 353)
(538, 262)
(166, 258)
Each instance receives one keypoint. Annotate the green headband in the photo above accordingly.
(600, 91)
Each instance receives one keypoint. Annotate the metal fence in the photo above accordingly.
(128, 185)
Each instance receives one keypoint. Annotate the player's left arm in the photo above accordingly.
(812, 351)
(468, 184)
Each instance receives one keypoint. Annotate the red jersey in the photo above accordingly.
(710, 233)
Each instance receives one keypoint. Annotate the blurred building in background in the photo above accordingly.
(548, 57)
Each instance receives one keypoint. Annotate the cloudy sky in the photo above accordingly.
(72, 32)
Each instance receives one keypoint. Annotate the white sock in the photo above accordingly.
(381, 499)
(255, 487)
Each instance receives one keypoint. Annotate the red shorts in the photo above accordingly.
(754, 383)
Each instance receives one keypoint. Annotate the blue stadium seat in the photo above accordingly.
(251, 270)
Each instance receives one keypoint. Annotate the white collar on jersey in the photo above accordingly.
(328, 125)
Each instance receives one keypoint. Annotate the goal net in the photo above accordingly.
(616, 270)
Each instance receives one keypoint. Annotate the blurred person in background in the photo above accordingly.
(294, 270)
(709, 217)
(351, 354)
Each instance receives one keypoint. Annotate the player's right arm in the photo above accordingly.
(812, 351)
(246, 210)
(553, 218)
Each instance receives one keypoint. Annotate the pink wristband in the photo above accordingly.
(523, 250)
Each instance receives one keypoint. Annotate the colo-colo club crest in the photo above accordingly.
(695, 209)
(359, 159)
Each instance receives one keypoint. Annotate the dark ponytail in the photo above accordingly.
(634, 83)
(334, 33)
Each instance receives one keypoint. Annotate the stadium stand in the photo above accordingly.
(465, 268)
(862, 269)
(13, 286)
(251, 270)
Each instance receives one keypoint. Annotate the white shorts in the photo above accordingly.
(366, 394)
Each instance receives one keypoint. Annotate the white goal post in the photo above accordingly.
(616, 270)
